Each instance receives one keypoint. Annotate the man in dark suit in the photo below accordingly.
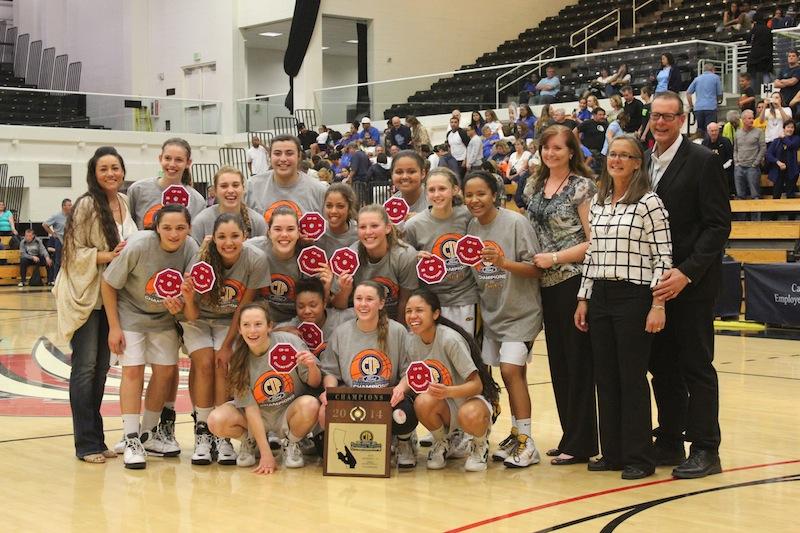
(690, 181)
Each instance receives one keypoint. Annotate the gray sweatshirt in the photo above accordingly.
(749, 147)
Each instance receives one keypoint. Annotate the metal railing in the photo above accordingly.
(616, 20)
(538, 68)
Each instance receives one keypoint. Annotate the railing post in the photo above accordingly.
(633, 16)
(497, 93)
(734, 69)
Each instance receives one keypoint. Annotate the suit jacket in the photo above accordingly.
(695, 192)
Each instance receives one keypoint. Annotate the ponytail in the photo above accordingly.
(210, 254)
(383, 314)
(238, 380)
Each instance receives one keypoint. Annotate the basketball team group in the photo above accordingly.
(283, 288)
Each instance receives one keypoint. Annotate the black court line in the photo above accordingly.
(632, 510)
(757, 375)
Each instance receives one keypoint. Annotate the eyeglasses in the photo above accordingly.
(668, 117)
(622, 156)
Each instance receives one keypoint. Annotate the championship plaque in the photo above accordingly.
(358, 432)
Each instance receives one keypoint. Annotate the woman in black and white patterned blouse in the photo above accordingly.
(631, 248)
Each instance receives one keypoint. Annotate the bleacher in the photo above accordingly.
(25, 65)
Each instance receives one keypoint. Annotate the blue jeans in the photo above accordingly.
(57, 246)
(748, 185)
(87, 381)
(704, 118)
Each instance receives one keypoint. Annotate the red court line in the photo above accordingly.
(600, 493)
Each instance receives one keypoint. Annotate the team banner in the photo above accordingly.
(772, 293)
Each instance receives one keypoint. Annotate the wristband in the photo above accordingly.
(657, 307)
(555, 258)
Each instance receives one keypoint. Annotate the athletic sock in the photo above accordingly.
(292, 438)
(150, 420)
(169, 405)
(202, 413)
(439, 434)
(404, 437)
(514, 422)
(130, 424)
(524, 426)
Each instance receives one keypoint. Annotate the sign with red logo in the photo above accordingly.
(203, 276)
(168, 283)
(468, 250)
(310, 259)
(419, 376)
(283, 357)
(175, 194)
(313, 225)
(311, 334)
(397, 209)
(431, 269)
(344, 261)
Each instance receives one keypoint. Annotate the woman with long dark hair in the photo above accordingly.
(94, 235)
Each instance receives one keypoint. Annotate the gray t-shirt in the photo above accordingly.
(333, 319)
(438, 236)
(270, 389)
(448, 355)
(283, 275)
(144, 197)
(265, 194)
(57, 223)
(203, 224)
(251, 271)
(511, 306)
(396, 270)
(133, 274)
(354, 358)
(330, 242)
(420, 206)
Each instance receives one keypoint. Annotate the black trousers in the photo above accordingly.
(684, 380)
(569, 352)
(36, 276)
(621, 347)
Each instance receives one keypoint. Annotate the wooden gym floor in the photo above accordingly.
(43, 487)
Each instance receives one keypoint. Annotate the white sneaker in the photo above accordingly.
(247, 452)
(203, 444)
(437, 455)
(526, 454)
(20, 284)
(292, 455)
(459, 444)
(226, 455)
(478, 455)
(274, 441)
(406, 454)
(507, 446)
(135, 456)
(166, 432)
(159, 445)
(307, 446)
(119, 447)
(427, 441)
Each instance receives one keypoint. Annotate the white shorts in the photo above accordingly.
(512, 352)
(153, 347)
(204, 333)
(463, 315)
(455, 403)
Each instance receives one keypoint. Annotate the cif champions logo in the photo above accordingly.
(445, 247)
(273, 388)
(392, 290)
(282, 203)
(440, 372)
(150, 215)
(371, 368)
(365, 443)
(281, 290)
(487, 270)
(230, 295)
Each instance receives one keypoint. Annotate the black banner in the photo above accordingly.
(772, 293)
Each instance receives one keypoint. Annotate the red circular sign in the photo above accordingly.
(344, 261)
(175, 194)
(468, 250)
(312, 225)
(310, 259)
(431, 269)
(397, 209)
(311, 334)
(168, 283)
(203, 276)
(283, 357)
(419, 376)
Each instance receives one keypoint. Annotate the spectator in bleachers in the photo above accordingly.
(257, 157)
(528, 90)
(399, 134)
(518, 160)
(732, 123)
(615, 129)
(323, 138)
(634, 109)
(456, 113)
(749, 10)
(599, 86)
(548, 87)
(775, 114)
(500, 153)
(351, 136)
(560, 118)
(526, 117)
(513, 112)
(616, 107)
(476, 121)
(759, 60)
(708, 88)
(747, 98)
(788, 80)
(646, 95)
(592, 134)
(430, 156)
(359, 164)
(54, 226)
(447, 160)
(667, 78)
(618, 80)
(522, 132)
(369, 134)
(476, 150)
(717, 143)
(782, 169)
(493, 122)
(32, 252)
(7, 225)
(457, 140)
(582, 112)
(592, 102)
(544, 120)
(733, 17)
(379, 171)
(419, 133)
(488, 139)
(306, 136)
(748, 154)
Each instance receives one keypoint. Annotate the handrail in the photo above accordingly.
(538, 56)
(259, 98)
(130, 96)
(636, 8)
(585, 30)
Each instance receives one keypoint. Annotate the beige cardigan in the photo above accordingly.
(77, 293)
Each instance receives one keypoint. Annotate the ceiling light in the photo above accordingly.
(352, 41)
(271, 34)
